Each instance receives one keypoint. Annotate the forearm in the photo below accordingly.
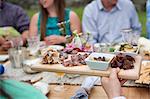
(25, 36)
(2, 40)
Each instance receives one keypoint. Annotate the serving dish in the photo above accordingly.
(99, 65)
(127, 48)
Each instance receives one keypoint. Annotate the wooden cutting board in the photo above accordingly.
(132, 74)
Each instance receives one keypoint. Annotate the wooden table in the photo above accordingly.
(99, 93)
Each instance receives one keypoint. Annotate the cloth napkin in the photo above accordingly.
(80, 94)
(42, 86)
(28, 63)
(84, 91)
(145, 43)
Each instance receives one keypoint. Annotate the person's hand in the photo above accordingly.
(112, 85)
(2, 40)
(6, 45)
(52, 40)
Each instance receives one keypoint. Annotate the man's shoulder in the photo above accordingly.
(91, 6)
(12, 6)
(126, 3)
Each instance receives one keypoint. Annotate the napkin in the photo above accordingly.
(80, 94)
(3, 58)
(86, 87)
(28, 63)
(145, 42)
(32, 61)
(43, 87)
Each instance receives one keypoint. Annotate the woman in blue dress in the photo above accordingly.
(54, 22)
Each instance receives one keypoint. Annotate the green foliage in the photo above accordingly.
(142, 18)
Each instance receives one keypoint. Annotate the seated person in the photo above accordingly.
(54, 22)
(16, 18)
(105, 19)
(111, 85)
(148, 18)
(11, 89)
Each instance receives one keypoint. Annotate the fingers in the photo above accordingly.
(123, 81)
(52, 40)
(114, 73)
(6, 45)
(2, 40)
(104, 81)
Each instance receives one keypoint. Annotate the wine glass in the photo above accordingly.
(60, 76)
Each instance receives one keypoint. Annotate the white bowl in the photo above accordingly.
(99, 65)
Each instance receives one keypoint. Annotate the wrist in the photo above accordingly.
(11, 43)
(113, 95)
(68, 38)
(63, 39)
(120, 97)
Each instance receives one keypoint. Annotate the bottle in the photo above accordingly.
(148, 18)
(2, 69)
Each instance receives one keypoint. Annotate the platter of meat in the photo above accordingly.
(67, 60)
(74, 64)
(123, 61)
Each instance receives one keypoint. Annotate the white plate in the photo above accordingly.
(3, 58)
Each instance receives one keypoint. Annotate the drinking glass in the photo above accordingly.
(135, 39)
(61, 82)
(104, 48)
(126, 35)
(101, 48)
(33, 44)
(130, 37)
(15, 57)
(17, 42)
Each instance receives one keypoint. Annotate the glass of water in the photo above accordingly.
(127, 35)
(135, 39)
(33, 44)
(17, 42)
(15, 57)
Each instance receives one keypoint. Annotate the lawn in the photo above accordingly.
(79, 11)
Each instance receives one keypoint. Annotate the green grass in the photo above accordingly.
(79, 11)
(142, 19)
(31, 12)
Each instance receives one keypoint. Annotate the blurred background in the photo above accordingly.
(31, 7)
